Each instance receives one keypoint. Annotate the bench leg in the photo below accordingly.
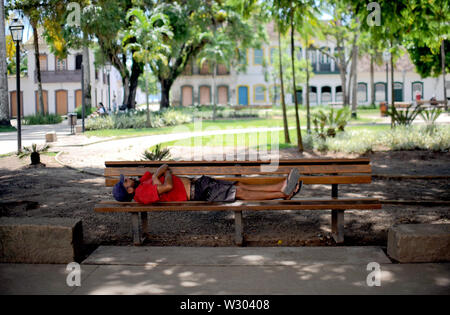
(239, 228)
(135, 229)
(337, 225)
(144, 223)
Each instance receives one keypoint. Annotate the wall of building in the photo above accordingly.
(259, 90)
(71, 82)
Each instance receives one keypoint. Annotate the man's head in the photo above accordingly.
(124, 190)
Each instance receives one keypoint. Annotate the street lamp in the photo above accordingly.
(16, 29)
(108, 67)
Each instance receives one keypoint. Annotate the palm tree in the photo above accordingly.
(219, 51)
(287, 139)
(297, 118)
(279, 17)
(4, 103)
(144, 39)
(34, 10)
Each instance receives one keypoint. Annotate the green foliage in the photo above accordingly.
(7, 128)
(38, 119)
(396, 139)
(430, 117)
(328, 124)
(87, 111)
(27, 151)
(156, 154)
(428, 63)
(137, 119)
(403, 117)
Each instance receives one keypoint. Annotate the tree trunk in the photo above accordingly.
(4, 94)
(372, 81)
(87, 76)
(297, 119)
(146, 100)
(136, 71)
(166, 84)
(443, 73)
(349, 86)
(214, 91)
(125, 79)
(392, 80)
(355, 81)
(38, 66)
(287, 138)
(308, 108)
(343, 87)
(343, 74)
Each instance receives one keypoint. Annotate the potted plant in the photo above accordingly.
(34, 152)
(383, 109)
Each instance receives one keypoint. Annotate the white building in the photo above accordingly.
(61, 83)
(251, 88)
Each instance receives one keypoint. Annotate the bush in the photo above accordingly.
(87, 111)
(137, 119)
(430, 117)
(156, 154)
(330, 123)
(49, 119)
(396, 139)
(403, 117)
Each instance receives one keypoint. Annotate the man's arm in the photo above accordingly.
(168, 183)
(159, 172)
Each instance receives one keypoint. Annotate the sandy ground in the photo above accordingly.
(57, 191)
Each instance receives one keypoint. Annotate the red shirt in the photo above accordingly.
(147, 192)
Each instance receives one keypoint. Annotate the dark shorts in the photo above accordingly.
(207, 188)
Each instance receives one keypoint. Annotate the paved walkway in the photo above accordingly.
(246, 271)
(126, 149)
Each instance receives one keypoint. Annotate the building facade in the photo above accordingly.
(251, 88)
(61, 83)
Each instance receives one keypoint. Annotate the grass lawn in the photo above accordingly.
(364, 117)
(7, 129)
(253, 139)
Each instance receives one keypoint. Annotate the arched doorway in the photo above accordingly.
(243, 95)
(13, 102)
(61, 97)
(398, 91)
(222, 95)
(205, 95)
(325, 95)
(187, 97)
(78, 98)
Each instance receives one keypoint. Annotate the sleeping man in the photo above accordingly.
(164, 186)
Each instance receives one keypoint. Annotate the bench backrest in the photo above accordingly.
(313, 171)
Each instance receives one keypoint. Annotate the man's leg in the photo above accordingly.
(243, 194)
(265, 187)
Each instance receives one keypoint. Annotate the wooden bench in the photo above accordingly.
(336, 104)
(431, 104)
(314, 171)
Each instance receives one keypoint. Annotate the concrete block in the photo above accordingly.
(50, 137)
(413, 243)
(40, 240)
(78, 129)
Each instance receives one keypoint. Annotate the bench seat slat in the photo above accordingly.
(243, 163)
(307, 180)
(311, 204)
(243, 170)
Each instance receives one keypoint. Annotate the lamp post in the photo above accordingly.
(16, 29)
(108, 67)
